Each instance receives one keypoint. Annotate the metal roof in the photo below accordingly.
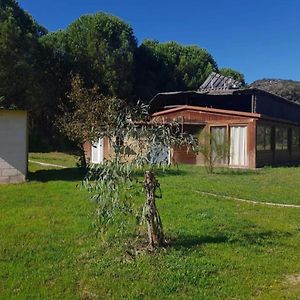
(217, 81)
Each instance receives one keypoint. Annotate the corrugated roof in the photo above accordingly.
(217, 81)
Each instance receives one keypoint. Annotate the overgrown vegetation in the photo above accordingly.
(136, 142)
(220, 249)
(36, 66)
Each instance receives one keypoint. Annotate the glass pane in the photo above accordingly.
(260, 138)
(284, 139)
(218, 146)
(278, 139)
(295, 139)
(267, 138)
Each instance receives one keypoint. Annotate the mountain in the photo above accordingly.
(288, 89)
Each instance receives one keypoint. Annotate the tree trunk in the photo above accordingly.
(83, 162)
(155, 228)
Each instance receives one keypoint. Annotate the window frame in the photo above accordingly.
(266, 144)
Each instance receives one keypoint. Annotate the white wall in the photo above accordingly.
(13, 146)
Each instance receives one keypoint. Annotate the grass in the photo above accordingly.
(56, 158)
(221, 249)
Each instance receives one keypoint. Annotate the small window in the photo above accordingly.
(263, 139)
(281, 138)
(295, 139)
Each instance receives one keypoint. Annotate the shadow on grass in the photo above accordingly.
(161, 173)
(261, 238)
(194, 241)
(237, 172)
(68, 174)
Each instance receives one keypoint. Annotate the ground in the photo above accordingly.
(220, 249)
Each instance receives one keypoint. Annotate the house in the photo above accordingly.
(262, 128)
(13, 146)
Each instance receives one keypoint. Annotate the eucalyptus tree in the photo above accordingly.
(136, 141)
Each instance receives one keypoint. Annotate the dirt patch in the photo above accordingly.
(293, 279)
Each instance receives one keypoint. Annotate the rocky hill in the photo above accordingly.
(286, 88)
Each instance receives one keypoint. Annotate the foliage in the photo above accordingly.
(215, 149)
(102, 49)
(170, 67)
(29, 74)
(19, 49)
(88, 113)
(228, 72)
(288, 89)
(132, 136)
(36, 66)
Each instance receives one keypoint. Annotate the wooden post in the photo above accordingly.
(155, 228)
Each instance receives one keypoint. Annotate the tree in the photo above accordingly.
(27, 77)
(170, 67)
(86, 114)
(133, 137)
(102, 49)
(233, 74)
(19, 49)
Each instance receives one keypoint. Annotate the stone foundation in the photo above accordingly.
(9, 174)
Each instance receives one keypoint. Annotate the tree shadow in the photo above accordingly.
(260, 238)
(162, 172)
(238, 172)
(68, 174)
(192, 241)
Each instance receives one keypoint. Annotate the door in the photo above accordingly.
(97, 152)
(218, 144)
(238, 146)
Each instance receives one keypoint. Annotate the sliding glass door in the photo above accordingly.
(238, 146)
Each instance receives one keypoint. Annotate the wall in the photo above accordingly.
(13, 146)
(198, 118)
(273, 156)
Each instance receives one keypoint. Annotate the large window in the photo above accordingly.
(238, 146)
(281, 138)
(295, 139)
(218, 138)
(263, 140)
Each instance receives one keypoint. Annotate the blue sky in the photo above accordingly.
(260, 38)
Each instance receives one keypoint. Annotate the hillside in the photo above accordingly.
(286, 88)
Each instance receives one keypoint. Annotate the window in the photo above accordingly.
(238, 146)
(218, 143)
(295, 139)
(263, 138)
(281, 138)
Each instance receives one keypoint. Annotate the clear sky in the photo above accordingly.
(260, 38)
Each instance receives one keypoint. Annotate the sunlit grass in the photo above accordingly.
(220, 249)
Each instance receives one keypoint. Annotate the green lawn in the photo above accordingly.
(56, 158)
(221, 249)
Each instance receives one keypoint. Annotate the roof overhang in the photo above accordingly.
(208, 110)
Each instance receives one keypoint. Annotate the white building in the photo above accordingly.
(13, 146)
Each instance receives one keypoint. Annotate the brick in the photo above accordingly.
(4, 165)
(17, 179)
(9, 172)
(4, 180)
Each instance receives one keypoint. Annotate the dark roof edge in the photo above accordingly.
(268, 93)
(223, 92)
